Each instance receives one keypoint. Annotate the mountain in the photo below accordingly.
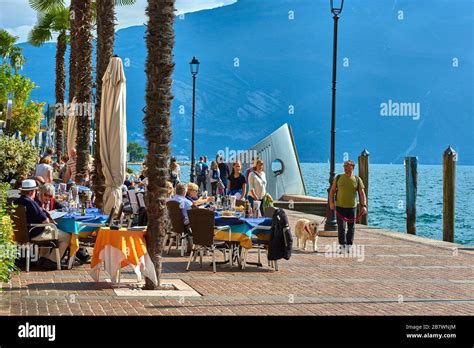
(267, 62)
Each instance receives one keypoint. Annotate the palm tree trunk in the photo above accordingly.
(105, 50)
(60, 88)
(72, 66)
(159, 69)
(83, 86)
(72, 53)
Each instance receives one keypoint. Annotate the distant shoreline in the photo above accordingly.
(387, 164)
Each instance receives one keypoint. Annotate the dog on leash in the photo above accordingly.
(306, 230)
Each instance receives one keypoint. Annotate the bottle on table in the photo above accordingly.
(247, 209)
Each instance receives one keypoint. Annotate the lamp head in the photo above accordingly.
(194, 64)
(336, 7)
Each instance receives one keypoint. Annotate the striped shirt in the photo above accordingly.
(71, 164)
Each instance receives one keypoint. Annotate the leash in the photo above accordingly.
(346, 219)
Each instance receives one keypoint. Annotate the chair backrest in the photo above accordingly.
(269, 212)
(132, 198)
(141, 200)
(239, 203)
(176, 216)
(202, 225)
(110, 219)
(20, 225)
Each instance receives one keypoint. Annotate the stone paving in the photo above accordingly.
(395, 275)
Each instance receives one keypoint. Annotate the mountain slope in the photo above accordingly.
(284, 75)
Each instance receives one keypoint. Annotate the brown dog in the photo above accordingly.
(306, 230)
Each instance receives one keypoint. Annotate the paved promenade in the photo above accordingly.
(392, 274)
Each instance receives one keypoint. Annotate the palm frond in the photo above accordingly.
(46, 5)
(60, 19)
(42, 31)
(124, 2)
(7, 42)
(39, 35)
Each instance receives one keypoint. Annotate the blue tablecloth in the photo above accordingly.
(244, 225)
(241, 230)
(71, 222)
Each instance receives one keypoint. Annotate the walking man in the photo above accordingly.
(202, 172)
(344, 190)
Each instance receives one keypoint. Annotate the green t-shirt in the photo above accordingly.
(347, 191)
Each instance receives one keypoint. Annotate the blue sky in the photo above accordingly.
(17, 17)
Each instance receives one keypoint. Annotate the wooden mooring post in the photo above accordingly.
(449, 193)
(364, 176)
(411, 164)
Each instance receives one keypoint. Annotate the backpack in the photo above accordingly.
(198, 168)
(203, 169)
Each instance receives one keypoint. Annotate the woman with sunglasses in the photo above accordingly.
(46, 199)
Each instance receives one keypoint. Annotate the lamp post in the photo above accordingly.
(194, 64)
(331, 222)
(92, 116)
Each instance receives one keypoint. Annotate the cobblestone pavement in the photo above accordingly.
(389, 276)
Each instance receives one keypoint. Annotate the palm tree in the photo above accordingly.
(82, 44)
(105, 50)
(12, 59)
(9, 51)
(159, 68)
(54, 21)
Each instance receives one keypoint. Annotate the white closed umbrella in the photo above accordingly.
(71, 128)
(113, 133)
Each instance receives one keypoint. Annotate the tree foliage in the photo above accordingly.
(7, 245)
(16, 158)
(136, 152)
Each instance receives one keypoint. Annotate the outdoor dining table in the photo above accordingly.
(72, 223)
(116, 249)
(241, 232)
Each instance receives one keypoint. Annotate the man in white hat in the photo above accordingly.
(36, 215)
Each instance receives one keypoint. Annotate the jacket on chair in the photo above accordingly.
(281, 241)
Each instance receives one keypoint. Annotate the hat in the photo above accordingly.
(28, 185)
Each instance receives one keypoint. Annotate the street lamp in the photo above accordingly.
(331, 222)
(194, 65)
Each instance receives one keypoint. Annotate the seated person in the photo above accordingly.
(45, 198)
(144, 179)
(127, 181)
(192, 195)
(184, 203)
(37, 215)
(170, 188)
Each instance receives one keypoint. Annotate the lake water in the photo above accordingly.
(387, 197)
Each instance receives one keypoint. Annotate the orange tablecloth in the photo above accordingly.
(117, 249)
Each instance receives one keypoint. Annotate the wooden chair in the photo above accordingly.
(131, 210)
(178, 232)
(141, 199)
(22, 231)
(202, 224)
